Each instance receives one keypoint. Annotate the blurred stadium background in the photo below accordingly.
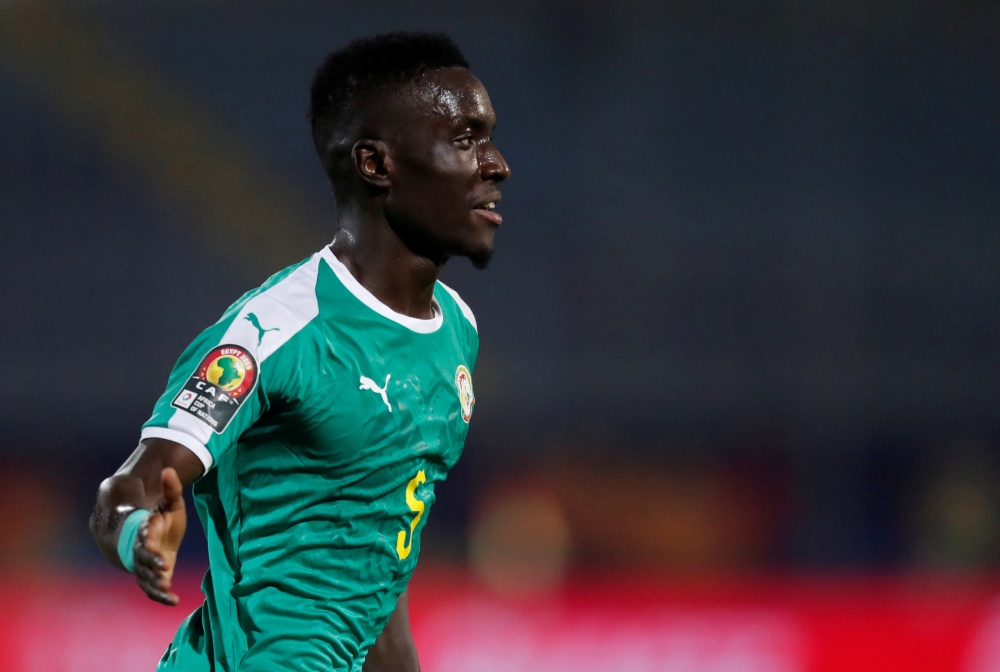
(737, 394)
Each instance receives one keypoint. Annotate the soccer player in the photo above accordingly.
(316, 416)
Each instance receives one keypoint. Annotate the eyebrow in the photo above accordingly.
(478, 123)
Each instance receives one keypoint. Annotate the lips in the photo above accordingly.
(487, 209)
(490, 214)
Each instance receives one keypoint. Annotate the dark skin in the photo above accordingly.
(415, 178)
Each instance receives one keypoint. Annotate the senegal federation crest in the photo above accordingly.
(463, 381)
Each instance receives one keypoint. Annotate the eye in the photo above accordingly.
(464, 141)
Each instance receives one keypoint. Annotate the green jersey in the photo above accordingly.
(324, 420)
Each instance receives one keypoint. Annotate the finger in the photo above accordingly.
(152, 567)
(154, 591)
(172, 489)
(150, 585)
(143, 556)
(160, 580)
(148, 577)
(155, 527)
(147, 542)
(148, 559)
(163, 597)
(153, 562)
(146, 573)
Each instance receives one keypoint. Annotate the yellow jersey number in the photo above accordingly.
(402, 545)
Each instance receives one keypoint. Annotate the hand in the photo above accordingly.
(158, 540)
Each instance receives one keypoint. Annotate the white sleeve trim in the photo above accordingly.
(186, 440)
(269, 320)
(463, 305)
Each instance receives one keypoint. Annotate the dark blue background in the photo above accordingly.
(725, 220)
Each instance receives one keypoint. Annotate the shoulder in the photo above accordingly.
(267, 318)
(462, 305)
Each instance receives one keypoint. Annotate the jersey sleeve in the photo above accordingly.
(213, 395)
(217, 389)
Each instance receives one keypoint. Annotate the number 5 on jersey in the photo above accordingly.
(402, 546)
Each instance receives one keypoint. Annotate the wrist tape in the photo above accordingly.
(126, 540)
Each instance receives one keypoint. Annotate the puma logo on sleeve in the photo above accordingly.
(261, 331)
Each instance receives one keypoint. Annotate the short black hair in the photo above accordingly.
(366, 65)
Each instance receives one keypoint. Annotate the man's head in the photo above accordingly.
(400, 123)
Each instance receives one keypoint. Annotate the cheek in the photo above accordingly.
(447, 187)
(435, 188)
(430, 202)
(455, 171)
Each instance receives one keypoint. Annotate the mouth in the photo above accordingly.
(487, 209)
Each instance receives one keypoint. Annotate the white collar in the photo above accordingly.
(367, 298)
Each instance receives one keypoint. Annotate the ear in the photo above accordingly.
(372, 161)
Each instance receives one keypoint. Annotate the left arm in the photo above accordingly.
(394, 650)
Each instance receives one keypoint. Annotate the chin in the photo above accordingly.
(481, 259)
(479, 250)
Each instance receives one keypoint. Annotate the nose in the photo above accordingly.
(492, 166)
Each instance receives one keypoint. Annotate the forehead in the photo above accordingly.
(451, 95)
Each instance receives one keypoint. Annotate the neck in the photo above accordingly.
(378, 259)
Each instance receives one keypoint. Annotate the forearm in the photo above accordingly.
(390, 655)
(394, 650)
(137, 485)
(117, 497)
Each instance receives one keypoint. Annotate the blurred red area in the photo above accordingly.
(530, 528)
(591, 623)
(32, 520)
